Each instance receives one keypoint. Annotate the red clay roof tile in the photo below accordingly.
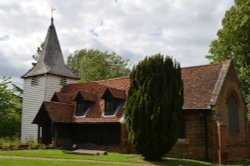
(199, 83)
(117, 93)
(121, 83)
(62, 97)
(88, 96)
(60, 112)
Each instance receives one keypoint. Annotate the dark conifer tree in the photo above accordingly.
(154, 106)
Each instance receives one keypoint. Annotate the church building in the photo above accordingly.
(58, 110)
(49, 75)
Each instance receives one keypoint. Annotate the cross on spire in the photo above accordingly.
(52, 10)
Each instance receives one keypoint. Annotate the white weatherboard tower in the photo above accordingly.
(49, 75)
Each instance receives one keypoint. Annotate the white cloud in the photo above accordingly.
(133, 29)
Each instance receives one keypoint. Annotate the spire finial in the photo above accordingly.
(52, 10)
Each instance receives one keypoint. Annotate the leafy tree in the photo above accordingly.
(10, 109)
(93, 65)
(38, 54)
(233, 42)
(154, 105)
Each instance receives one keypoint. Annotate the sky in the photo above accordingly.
(133, 29)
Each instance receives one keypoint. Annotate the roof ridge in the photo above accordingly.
(82, 83)
(55, 102)
(206, 65)
(117, 78)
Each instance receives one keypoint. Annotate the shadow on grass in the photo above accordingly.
(180, 162)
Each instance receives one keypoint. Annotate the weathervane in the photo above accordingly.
(52, 10)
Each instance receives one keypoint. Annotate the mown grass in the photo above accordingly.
(116, 157)
(132, 159)
(29, 162)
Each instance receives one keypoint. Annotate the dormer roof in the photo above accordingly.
(115, 93)
(51, 60)
(86, 96)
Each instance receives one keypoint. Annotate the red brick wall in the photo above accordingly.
(195, 134)
(234, 146)
(193, 146)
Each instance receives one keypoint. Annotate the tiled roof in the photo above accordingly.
(60, 112)
(199, 84)
(117, 83)
(57, 112)
(91, 87)
(117, 93)
(97, 120)
(62, 97)
(88, 96)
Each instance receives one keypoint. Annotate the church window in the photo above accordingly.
(233, 117)
(34, 81)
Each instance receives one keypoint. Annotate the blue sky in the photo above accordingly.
(182, 29)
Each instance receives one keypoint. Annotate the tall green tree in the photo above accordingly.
(10, 108)
(91, 65)
(233, 42)
(154, 106)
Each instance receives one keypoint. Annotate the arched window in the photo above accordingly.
(233, 117)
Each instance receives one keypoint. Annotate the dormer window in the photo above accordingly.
(84, 102)
(113, 100)
(112, 106)
(82, 108)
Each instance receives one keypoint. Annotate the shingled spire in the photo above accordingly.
(51, 60)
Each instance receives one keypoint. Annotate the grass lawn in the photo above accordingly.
(75, 160)
(29, 162)
(115, 157)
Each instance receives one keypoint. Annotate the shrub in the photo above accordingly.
(32, 144)
(154, 106)
(9, 143)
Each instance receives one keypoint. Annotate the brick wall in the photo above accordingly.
(194, 145)
(235, 146)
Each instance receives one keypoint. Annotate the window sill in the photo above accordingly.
(75, 116)
(106, 116)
